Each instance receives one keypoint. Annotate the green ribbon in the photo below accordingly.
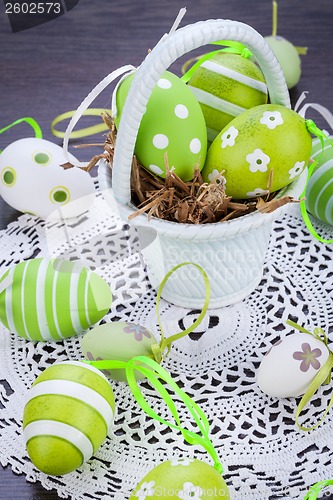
(233, 47)
(30, 121)
(155, 373)
(165, 344)
(313, 129)
(84, 132)
(323, 377)
(316, 489)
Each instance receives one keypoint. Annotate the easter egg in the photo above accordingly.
(119, 341)
(291, 364)
(319, 191)
(182, 478)
(51, 299)
(173, 123)
(67, 416)
(226, 85)
(288, 57)
(265, 144)
(33, 181)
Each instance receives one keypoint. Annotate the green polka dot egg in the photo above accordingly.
(225, 86)
(173, 123)
(33, 181)
(265, 147)
(67, 416)
(119, 341)
(50, 299)
(319, 192)
(185, 478)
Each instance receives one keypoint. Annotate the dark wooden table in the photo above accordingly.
(49, 69)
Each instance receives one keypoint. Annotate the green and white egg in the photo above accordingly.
(32, 180)
(263, 149)
(173, 123)
(182, 478)
(225, 86)
(51, 299)
(120, 341)
(67, 416)
(319, 191)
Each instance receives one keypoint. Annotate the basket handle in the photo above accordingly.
(159, 59)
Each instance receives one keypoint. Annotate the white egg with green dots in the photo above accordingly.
(33, 181)
(226, 85)
(319, 191)
(262, 150)
(67, 416)
(173, 123)
(52, 299)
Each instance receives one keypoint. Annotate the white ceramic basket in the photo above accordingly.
(232, 252)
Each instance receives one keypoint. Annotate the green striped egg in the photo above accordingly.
(319, 192)
(51, 299)
(225, 86)
(67, 416)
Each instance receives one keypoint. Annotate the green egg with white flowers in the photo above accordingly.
(262, 150)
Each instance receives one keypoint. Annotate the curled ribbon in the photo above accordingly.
(84, 132)
(36, 128)
(233, 47)
(323, 376)
(159, 349)
(155, 374)
(316, 489)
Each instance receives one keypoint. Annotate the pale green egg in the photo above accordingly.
(226, 85)
(67, 416)
(263, 149)
(288, 57)
(173, 123)
(182, 478)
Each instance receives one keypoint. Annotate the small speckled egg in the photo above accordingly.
(67, 416)
(173, 123)
(291, 364)
(51, 299)
(268, 140)
(319, 192)
(225, 86)
(182, 478)
(119, 341)
(288, 57)
(33, 181)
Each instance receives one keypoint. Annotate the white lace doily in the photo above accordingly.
(264, 454)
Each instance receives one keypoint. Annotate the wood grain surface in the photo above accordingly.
(49, 69)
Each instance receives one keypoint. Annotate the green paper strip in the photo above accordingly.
(233, 47)
(316, 489)
(313, 129)
(153, 372)
(84, 132)
(30, 121)
(323, 377)
(158, 349)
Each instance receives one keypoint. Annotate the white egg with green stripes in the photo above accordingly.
(67, 416)
(52, 299)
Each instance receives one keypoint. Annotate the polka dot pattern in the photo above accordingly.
(163, 83)
(181, 111)
(195, 146)
(155, 169)
(160, 141)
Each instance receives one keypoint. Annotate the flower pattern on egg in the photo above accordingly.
(271, 119)
(296, 170)
(216, 176)
(258, 161)
(257, 192)
(138, 331)
(308, 357)
(146, 490)
(229, 137)
(181, 461)
(190, 492)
